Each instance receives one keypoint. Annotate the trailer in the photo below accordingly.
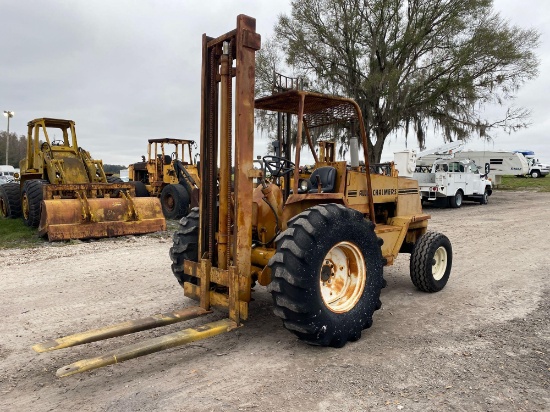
(501, 163)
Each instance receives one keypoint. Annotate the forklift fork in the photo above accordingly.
(227, 263)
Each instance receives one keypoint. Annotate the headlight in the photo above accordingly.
(304, 185)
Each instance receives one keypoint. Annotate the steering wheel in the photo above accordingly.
(45, 147)
(278, 166)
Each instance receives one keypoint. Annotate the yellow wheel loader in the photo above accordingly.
(66, 194)
(320, 249)
(170, 174)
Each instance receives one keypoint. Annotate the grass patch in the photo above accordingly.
(525, 183)
(15, 234)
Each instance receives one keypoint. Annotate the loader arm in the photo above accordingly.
(183, 175)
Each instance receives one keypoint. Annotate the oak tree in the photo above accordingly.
(410, 64)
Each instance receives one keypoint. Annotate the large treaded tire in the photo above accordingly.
(431, 262)
(174, 200)
(10, 200)
(185, 246)
(32, 197)
(298, 266)
(140, 188)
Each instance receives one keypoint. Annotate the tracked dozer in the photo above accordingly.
(66, 194)
(319, 243)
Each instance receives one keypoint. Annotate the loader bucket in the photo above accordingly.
(87, 218)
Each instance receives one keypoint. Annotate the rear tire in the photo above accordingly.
(10, 200)
(31, 199)
(327, 275)
(431, 262)
(175, 201)
(185, 246)
(456, 200)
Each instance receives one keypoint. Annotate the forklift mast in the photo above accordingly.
(226, 231)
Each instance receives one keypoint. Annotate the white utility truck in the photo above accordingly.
(447, 180)
(453, 181)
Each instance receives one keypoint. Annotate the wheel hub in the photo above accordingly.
(170, 203)
(439, 263)
(342, 277)
(326, 272)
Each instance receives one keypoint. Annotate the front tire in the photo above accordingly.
(456, 200)
(31, 199)
(535, 174)
(327, 275)
(185, 246)
(10, 200)
(484, 198)
(431, 262)
(175, 201)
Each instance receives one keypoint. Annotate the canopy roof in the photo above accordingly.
(319, 109)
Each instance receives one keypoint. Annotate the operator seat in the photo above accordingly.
(327, 176)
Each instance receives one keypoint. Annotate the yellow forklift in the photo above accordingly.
(320, 249)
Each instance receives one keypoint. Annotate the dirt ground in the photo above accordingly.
(481, 344)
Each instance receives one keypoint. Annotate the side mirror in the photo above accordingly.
(487, 168)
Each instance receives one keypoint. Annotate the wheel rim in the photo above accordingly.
(458, 199)
(169, 202)
(25, 206)
(439, 265)
(342, 277)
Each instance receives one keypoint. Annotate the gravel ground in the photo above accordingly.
(481, 344)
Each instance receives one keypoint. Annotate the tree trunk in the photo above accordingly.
(375, 150)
